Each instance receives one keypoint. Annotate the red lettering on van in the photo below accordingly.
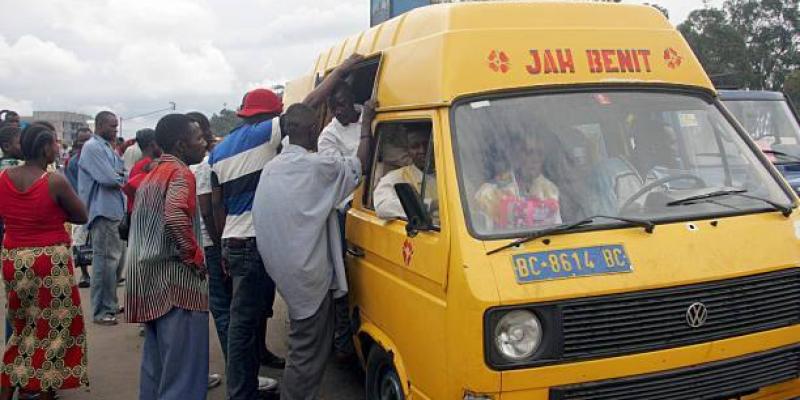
(595, 61)
(625, 61)
(565, 62)
(608, 63)
(645, 54)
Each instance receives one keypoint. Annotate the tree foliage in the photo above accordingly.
(792, 87)
(747, 43)
(223, 122)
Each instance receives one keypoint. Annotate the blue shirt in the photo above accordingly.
(71, 172)
(100, 179)
(236, 166)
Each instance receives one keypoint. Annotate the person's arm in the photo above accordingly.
(207, 212)
(324, 89)
(94, 163)
(218, 210)
(387, 204)
(179, 207)
(62, 193)
(365, 143)
(326, 144)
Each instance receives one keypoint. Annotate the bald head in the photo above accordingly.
(299, 123)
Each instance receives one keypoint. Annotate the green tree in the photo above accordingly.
(749, 43)
(771, 31)
(719, 47)
(792, 87)
(223, 122)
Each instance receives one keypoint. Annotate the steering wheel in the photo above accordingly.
(659, 182)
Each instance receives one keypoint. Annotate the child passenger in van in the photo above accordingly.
(519, 196)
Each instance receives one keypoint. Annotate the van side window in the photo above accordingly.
(404, 155)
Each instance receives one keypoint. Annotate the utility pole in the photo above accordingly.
(172, 107)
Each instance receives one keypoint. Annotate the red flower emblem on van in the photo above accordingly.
(672, 58)
(408, 252)
(499, 61)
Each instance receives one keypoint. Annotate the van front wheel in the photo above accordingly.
(383, 383)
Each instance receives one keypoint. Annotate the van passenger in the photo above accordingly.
(521, 197)
(387, 204)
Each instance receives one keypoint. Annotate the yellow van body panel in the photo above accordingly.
(456, 48)
(424, 298)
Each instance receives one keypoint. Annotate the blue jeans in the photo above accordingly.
(175, 357)
(219, 295)
(251, 302)
(107, 248)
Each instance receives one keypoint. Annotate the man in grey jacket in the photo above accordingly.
(297, 232)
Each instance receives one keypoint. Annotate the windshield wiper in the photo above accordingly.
(648, 226)
(781, 154)
(784, 209)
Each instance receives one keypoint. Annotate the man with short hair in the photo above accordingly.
(100, 181)
(341, 136)
(299, 240)
(79, 233)
(82, 135)
(236, 165)
(166, 287)
(387, 204)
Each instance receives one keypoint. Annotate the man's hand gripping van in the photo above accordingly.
(575, 215)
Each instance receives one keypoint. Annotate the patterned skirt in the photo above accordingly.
(47, 350)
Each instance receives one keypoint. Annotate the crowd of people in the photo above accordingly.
(189, 226)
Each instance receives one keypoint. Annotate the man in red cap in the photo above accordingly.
(236, 165)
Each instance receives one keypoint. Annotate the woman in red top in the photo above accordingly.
(47, 350)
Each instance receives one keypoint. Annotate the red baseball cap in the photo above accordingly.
(260, 101)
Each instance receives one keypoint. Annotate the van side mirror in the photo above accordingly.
(418, 217)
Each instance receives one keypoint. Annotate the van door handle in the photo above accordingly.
(355, 251)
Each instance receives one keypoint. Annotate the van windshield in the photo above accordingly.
(771, 124)
(531, 162)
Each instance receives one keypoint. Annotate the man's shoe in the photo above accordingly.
(270, 360)
(85, 282)
(108, 320)
(266, 384)
(214, 380)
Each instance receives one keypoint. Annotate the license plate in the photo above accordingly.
(570, 263)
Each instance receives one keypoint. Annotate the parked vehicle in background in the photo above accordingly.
(773, 123)
(583, 218)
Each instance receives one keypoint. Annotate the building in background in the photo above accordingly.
(66, 123)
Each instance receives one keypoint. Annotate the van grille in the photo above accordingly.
(654, 319)
(716, 381)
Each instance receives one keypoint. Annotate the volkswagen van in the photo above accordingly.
(574, 214)
(772, 122)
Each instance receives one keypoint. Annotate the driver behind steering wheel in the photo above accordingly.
(616, 179)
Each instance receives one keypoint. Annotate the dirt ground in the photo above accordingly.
(115, 353)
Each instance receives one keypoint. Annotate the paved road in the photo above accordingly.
(115, 353)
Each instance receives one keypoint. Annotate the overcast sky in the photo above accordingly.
(133, 57)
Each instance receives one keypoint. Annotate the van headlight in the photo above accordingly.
(518, 335)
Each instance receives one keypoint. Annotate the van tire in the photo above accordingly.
(383, 382)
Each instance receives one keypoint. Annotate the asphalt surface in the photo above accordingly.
(115, 354)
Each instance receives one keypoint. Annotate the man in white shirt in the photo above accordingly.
(342, 137)
(342, 133)
(298, 239)
(387, 204)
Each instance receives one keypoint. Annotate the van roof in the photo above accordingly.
(436, 54)
(743, 95)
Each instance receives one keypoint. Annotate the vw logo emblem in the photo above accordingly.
(696, 315)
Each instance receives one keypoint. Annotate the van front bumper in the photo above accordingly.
(768, 360)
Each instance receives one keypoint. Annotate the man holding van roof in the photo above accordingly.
(236, 166)
(299, 240)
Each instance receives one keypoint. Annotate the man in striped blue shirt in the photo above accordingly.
(236, 165)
